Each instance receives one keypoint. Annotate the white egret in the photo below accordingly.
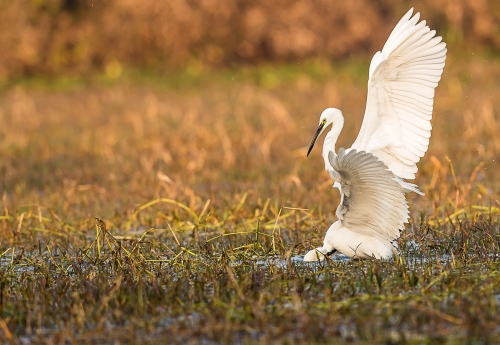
(394, 136)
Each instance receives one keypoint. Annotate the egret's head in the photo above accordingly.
(329, 116)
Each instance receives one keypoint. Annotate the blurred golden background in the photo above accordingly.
(106, 105)
(184, 126)
(81, 36)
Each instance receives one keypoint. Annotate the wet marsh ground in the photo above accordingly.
(208, 202)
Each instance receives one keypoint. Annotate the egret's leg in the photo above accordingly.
(319, 253)
(328, 248)
(315, 255)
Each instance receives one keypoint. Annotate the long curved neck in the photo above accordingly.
(329, 143)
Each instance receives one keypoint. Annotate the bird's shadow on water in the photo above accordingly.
(412, 255)
(335, 258)
(298, 261)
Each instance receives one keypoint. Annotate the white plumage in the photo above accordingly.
(393, 137)
(396, 127)
(367, 184)
(372, 211)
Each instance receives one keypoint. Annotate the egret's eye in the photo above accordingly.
(323, 121)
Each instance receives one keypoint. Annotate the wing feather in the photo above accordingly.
(373, 202)
(414, 38)
(431, 59)
(401, 87)
(407, 87)
(413, 113)
(421, 135)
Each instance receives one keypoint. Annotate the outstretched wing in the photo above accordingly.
(373, 202)
(402, 77)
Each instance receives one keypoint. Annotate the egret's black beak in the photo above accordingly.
(318, 131)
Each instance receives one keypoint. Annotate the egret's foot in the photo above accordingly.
(315, 255)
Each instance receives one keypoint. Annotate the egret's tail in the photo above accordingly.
(407, 186)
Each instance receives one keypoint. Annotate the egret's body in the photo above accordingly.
(394, 136)
(353, 244)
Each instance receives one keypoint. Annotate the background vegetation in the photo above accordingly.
(183, 126)
(78, 37)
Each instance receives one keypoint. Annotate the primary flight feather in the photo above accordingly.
(393, 137)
